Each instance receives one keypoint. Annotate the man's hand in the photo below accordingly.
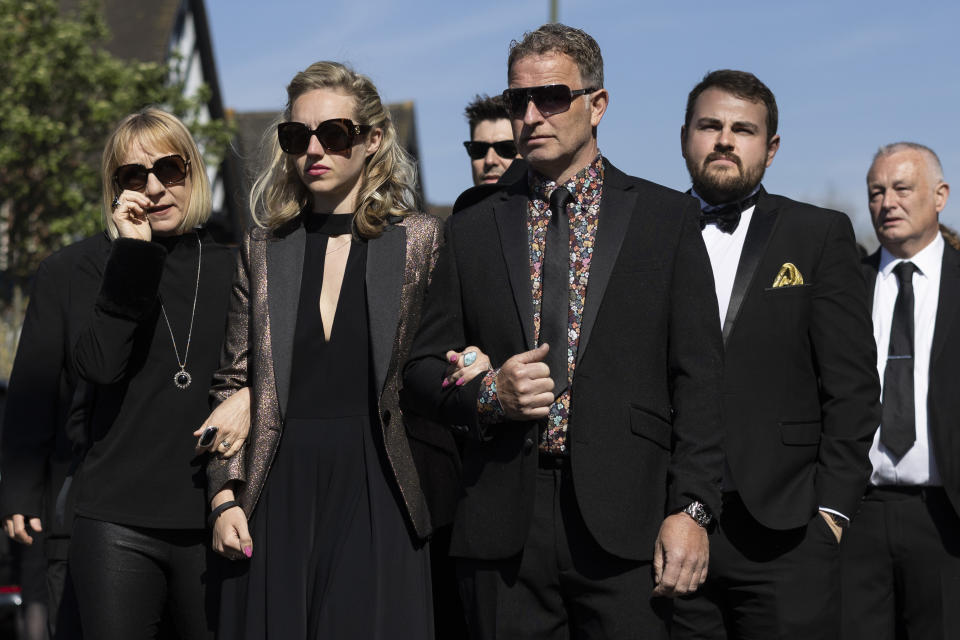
(837, 531)
(524, 385)
(16, 527)
(680, 556)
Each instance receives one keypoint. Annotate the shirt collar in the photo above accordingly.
(587, 179)
(928, 260)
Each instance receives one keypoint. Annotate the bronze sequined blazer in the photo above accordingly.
(258, 351)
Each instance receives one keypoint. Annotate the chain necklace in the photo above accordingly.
(182, 378)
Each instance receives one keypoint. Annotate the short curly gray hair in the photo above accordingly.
(559, 38)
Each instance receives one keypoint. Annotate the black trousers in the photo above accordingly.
(563, 585)
(764, 584)
(127, 578)
(901, 567)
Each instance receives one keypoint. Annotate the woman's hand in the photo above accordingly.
(465, 366)
(232, 419)
(231, 538)
(130, 215)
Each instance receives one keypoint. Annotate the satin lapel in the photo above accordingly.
(948, 302)
(616, 208)
(511, 216)
(386, 260)
(284, 270)
(754, 245)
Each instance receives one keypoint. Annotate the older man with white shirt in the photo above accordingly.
(901, 561)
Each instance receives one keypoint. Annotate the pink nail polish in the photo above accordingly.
(444, 383)
(454, 358)
(460, 381)
(248, 551)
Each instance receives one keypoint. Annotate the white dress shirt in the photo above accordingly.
(917, 466)
(724, 250)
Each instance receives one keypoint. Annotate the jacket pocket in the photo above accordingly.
(797, 433)
(650, 426)
(790, 289)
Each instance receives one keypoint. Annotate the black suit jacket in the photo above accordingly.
(800, 387)
(644, 435)
(943, 392)
(43, 422)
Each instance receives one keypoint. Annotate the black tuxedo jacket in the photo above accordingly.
(943, 392)
(644, 435)
(800, 387)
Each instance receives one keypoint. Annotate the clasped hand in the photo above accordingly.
(524, 385)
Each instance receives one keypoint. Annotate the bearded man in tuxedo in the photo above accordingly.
(800, 387)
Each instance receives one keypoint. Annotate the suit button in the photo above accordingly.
(527, 446)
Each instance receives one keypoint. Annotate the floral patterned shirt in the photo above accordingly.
(586, 187)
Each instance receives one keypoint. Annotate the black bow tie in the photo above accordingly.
(727, 217)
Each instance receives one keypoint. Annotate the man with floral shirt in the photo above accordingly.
(591, 461)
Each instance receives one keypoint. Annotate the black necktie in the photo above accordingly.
(555, 301)
(898, 422)
(727, 217)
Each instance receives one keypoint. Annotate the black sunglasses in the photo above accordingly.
(337, 134)
(503, 148)
(549, 99)
(170, 170)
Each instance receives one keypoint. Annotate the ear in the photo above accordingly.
(598, 106)
(772, 148)
(940, 195)
(374, 138)
(683, 140)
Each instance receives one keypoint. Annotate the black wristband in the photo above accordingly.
(212, 518)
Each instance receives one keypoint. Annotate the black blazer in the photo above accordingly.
(800, 388)
(943, 392)
(42, 424)
(644, 434)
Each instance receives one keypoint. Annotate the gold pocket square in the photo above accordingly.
(788, 276)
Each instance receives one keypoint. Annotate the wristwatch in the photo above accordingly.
(699, 512)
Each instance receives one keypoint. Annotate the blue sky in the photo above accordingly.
(848, 76)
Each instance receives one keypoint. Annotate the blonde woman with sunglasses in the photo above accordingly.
(147, 354)
(326, 512)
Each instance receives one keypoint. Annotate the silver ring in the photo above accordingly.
(116, 201)
(225, 444)
(469, 358)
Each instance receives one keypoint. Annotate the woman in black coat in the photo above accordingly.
(147, 354)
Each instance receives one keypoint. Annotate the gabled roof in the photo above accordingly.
(144, 31)
(138, 30)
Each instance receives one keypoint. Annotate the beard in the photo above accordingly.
(721, 187)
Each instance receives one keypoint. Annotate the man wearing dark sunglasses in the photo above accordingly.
(491, 147)
(591, 454)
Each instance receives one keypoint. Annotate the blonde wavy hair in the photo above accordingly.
(389, 176)
(156, 131)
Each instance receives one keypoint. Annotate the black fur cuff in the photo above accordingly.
(131, 278)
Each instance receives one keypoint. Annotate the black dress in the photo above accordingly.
(332, 552)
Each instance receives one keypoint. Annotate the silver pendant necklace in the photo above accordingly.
(182, 378)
